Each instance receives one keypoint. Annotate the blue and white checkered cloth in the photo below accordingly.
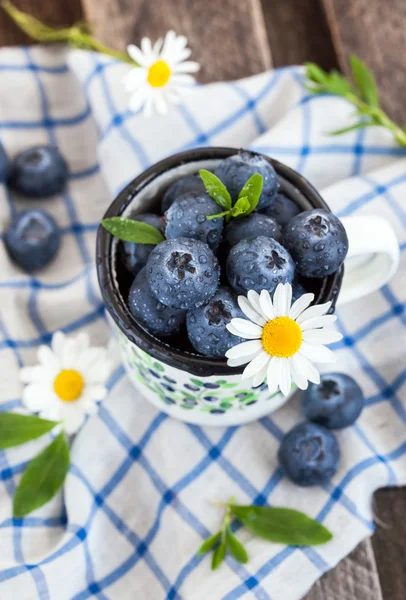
(136, 503)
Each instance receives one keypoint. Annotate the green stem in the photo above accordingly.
(379, 118)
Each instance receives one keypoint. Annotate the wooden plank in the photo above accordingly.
(228, 38)
(298, 32)
(375, 30)
(389, 541)
(356, 577)
(56, 14)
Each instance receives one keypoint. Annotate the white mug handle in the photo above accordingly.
(372, 259)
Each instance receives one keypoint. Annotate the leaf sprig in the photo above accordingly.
(133, 231)
(46, 473)
(247, 200)
(362, 92)
(272, 523)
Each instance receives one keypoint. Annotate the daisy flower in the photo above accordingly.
(68, 381)
(163, 75)
(285, 339)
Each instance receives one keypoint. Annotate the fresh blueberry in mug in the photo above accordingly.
(4, 164)
(134, 256)
(184, 185)
(32, 239)
(259, 264)
(317, 242)
(187, 217)
(235, 171)
(183, 273)
(336, 402)
(282, 209)
(206, 325)
(309, 454)
(38, 172)
(158, 319)
(298, 290)
(253, 225)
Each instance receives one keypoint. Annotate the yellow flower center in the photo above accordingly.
(281, 337)
(158, 74)
(68, 385)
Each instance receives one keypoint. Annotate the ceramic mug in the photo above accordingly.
(204, 390)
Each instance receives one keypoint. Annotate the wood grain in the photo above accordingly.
(375, 30)
(228, 38)
(52, 12)
(298, 32)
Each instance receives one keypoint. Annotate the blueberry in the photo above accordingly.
(258, 264)
(317, 242)
(186, 217)
(32, 239)
(235, 171)
(206, 325)
(309, 454)
(3, 164)
(38, 172)
(282, 209)
(147, 310)
(135, 256)
(253, 225)
(185, 185)
(335, 403)
(298, 290)
(183, 273)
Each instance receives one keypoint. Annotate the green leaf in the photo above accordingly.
(17, 429)
(216, 189)
(218, 556)
(209, 543)
(282, 525)
(365, 81)
(42, 478)
(252, 191)
(218, 215)
(359, 125)
(315, 73)
(133, 231)
(241, 207)
(235, 547)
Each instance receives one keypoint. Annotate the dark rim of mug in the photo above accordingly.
(186, 361)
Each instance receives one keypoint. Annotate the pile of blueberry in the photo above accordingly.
(309, 454)
(193, 277)
(33, 237)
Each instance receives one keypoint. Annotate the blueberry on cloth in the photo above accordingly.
(317, 242)
(4, 164)
(335, 403)
(134, 256)
(158, 319)
(235, 171)
(206, 325)
(185, 185)
(186, 217)
(38, 172)
(183, 273)
(282, 209)
(32, 239)
(309, 454)
(259, 264)
(253, 225)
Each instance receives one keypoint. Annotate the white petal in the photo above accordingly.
(244, 349)
(317, 354)
(253, 299)
(161, 105)
(245, 328)
(298, 377)
(98, 373)
(34, 374)
(317, 322)
(95, 392)
(146, 48)
(266, 305)
(249, 312)
(321, 336)
(36, 396)
(58, 342)
(148, 108)
(69, 355)
(242, 360)
(182, 79)
(307, 368)
(273, 374)
(300, 305)
(169, 42)
(72, 423)
(180, 55)
(313, 311)
(138, 56)
(137, 101)
(135, 78)
(257, 364)
(285, 378)
(189, 66)
(48, 359)
(259, 377)
(157, 47)
(82, 342)
(279, 300)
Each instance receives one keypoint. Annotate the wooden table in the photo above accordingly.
(236, 38)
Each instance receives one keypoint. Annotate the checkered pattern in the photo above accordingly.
(136, 502)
